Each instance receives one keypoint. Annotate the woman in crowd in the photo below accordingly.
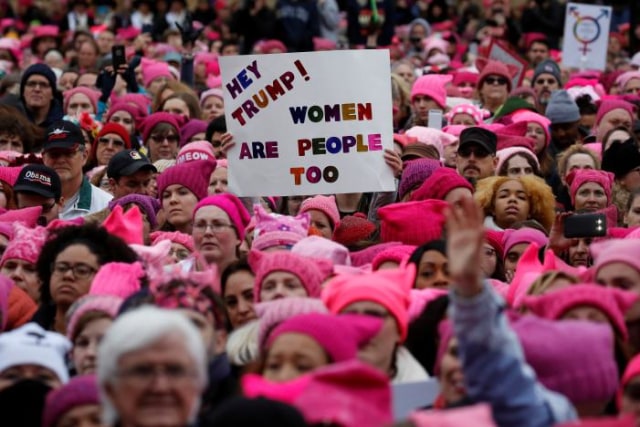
(161, 136)
(324, 214)
(237, 283)
(111, 139)
(431, 263)
(211, 104)
(517, 161)
(75, 404)
(590, 190)
(19, 258)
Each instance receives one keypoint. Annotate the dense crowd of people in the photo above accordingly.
(136, 290)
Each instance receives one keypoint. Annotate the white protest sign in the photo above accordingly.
(308, 123)
(586, 36)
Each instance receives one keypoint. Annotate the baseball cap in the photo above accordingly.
(128, 162)
(418, 150)
(63, 134)
(477, 135)
(39, 179)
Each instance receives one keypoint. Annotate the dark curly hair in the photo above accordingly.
(105, 246)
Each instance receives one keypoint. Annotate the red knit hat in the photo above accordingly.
(353, 229)
(614, 303)
(412, 223)
(192, 175)
(311, 272)
(150, 122)
(433, 86)
(439, 184)
(325, 204)
(118, 130)
(489, 67)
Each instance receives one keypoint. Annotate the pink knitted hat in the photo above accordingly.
(79, 391)
(531, 117)
(476, 113)
(118, 279)
(490, 67)
(9, 174)
(272, 313)
(614, 303)
(430, 136)
(478, 415)
(613, 104)
(93, 96)
(412, 223)
(513, 135)
(414, 173)
(126, 225)
(156, 118)
(439, 184)
(108, 304)
(319, 247)
(355, 332)
(632, 371)
(175, 237)
(511, 237)
(365, 256)
(137, 112)
(196, 151)
(217, 92)
(625, 78)
(191, 129)
(505, 154)
(606, 252)
(454, 130)
(325, 204)
(193, 175)
(311, 272)
(347, 394)
(278, 230)
(578, 177)
(399, 254)
(25, 245)
(152, 72)
(389, 288)
(432, 86)
(232, 206)
(27, 216)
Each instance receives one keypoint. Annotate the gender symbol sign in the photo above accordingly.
(586, 36)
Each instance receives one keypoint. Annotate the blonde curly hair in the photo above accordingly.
(541, 200)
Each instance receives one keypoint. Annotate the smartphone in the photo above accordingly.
(435, 119)
(118, 56)
(585, 225)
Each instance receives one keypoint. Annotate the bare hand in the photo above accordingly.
(393, 160)
(465, 239)
(227, 144)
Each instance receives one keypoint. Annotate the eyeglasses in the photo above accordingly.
(107, 141)
(144, 375)
(496, 80)
(180, 254)
(34, 84)
(216, 227)
(80, 270)
(466, 152)
(547, 81)
(172, 139)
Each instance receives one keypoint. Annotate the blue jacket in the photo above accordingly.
(495, 369)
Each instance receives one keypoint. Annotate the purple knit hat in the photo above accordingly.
(231, 205)
(311, 272)
(415, 173)
(355, 332)
(79, 391)
(26, 244)
(192, 175)
(272, 230)
(147, 204)
(191, 128)
(107, 304)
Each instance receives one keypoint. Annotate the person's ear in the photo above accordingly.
(112, 184)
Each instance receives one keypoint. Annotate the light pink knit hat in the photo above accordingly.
(311, 272)
(93, 96)
(108, 304)
(430, 136)
(152, 72)
(26, 244)
(399, 254)
(476, 113)
(319, 247)
(196, 150)
(118, 279)
(506, 153)
(325, 204)
(174, 236)
(278, 230)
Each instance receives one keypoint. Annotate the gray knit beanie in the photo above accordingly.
(561, 108)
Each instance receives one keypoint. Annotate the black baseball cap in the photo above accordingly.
(128, 162)
(480, 136)
(63, 134)
(39, 179)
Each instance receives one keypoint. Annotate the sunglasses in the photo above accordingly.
(547, 81)
(171, 138)
(478, 152)
(496, 80)
(107, 141)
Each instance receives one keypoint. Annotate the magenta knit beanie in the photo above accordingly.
(151, 121)
(196, 150)
(118, 279)
(511, 237)
(578, 177)
(398, 254)
(107, 304)
(432, 86)
(355, 332)
(9, 174)
(79, 391)
(175, 237)
(415, 172)
(191, 128)
(25, 245)
(193, 175)
(152, 72)
(325, 204)
(232, 206)
(609, 105)
(137, 112)
(439, 184)
(93, 96)
(412, 223)
(311, 272)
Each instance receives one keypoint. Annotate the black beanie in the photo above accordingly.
(44, 71)
(621, 158)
